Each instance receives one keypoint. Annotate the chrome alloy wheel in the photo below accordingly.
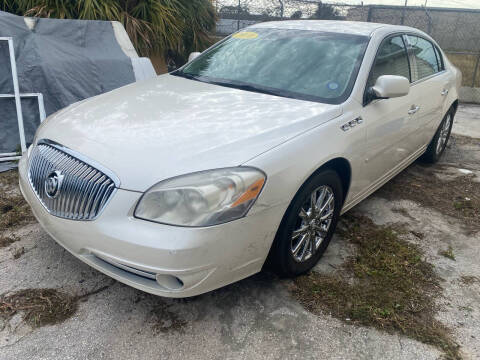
(314, 220)
(442, 139)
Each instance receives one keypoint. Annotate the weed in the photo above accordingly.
(469, 279)
(7, 240)
(448, 253)
(387, 285)
(14, 210)
(39, 306)
(404, 212)
(9, 178)
(417, 234)
(458, 198)
(17, 253)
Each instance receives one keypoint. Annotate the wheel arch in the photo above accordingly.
(342, 167)
(454, 106)
(338, 164)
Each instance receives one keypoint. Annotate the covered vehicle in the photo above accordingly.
(64, 60)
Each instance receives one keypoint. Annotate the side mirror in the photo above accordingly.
(193, 56)
(389, 86)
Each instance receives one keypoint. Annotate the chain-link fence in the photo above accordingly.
(456, 30)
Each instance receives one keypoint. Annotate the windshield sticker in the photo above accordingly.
(246, 35)
(332, 85)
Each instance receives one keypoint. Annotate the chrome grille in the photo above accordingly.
(84, 191)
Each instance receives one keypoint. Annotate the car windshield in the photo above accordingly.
(300, 64)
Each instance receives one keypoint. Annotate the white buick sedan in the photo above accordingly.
(251, 151)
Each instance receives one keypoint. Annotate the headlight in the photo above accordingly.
(202, 199)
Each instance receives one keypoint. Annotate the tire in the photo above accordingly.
(285, 258)
(437, 146)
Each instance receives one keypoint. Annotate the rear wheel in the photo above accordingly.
(308, 225)
(439, 142)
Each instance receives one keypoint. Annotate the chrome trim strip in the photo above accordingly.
(82, 158)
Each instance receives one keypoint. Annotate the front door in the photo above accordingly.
(390, 123)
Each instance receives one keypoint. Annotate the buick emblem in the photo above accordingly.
(53, 184)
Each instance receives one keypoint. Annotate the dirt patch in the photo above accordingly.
(8, 178)
(387, 285)
(14, 210)
(18, 253)
(6, 241)
(39, 307)
(458, 197)
(464, 140)
(165, 320)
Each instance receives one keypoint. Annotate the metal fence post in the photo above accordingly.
(403, 12)
(369, 17)
(238, 15)
(475, 70)
(16, 90)
(429, 20)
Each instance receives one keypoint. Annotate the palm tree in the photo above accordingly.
(9, 5)
(154, 26)
(326, 12)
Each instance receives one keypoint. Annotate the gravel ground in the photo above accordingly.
(254, 318)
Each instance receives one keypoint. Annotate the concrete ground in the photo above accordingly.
(256, 318)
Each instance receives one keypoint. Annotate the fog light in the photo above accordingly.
(169, 282)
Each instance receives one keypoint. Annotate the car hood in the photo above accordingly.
(156, 129)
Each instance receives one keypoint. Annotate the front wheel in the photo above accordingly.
(439, 142)
(308, 225)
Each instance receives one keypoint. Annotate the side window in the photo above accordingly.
(425, 59)
(392, 59)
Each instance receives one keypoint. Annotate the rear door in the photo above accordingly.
(430, 84)
(390, 123)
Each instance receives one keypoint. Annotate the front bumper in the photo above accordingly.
(161, 259)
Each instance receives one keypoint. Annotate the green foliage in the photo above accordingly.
(326, 12)
(387, 284)
(10, 6)
(448, 253)
(154, 26)
(200, 21)
(296, 15)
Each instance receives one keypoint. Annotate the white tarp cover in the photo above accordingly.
(65, 60)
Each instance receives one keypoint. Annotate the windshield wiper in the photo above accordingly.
(246, 87)
(185, 75)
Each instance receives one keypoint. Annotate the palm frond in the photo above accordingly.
(154, 26)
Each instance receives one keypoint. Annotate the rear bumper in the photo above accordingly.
(160, 259)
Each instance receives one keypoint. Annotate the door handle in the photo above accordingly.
(444, 92)
(413, 110)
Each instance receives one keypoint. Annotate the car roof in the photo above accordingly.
(336, 26)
